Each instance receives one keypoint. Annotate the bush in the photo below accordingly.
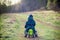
(3, 8)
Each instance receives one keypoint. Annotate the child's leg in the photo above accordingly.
(26, 32)
(35, 33)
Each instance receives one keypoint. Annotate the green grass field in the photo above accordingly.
(47, 25)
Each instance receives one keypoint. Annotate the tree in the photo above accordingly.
(3, 8)
(3, 5)
(51, 4)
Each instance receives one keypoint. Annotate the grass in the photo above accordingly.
(52, 18)
(12, 26)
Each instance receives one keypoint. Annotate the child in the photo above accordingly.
(30, 24)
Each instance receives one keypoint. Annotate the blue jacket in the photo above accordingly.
(30, 23)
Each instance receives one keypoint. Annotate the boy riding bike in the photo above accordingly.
(30, 24)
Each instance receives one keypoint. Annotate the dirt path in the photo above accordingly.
(49, 25)
(19, 32)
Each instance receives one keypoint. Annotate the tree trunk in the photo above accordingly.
(51, 4)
